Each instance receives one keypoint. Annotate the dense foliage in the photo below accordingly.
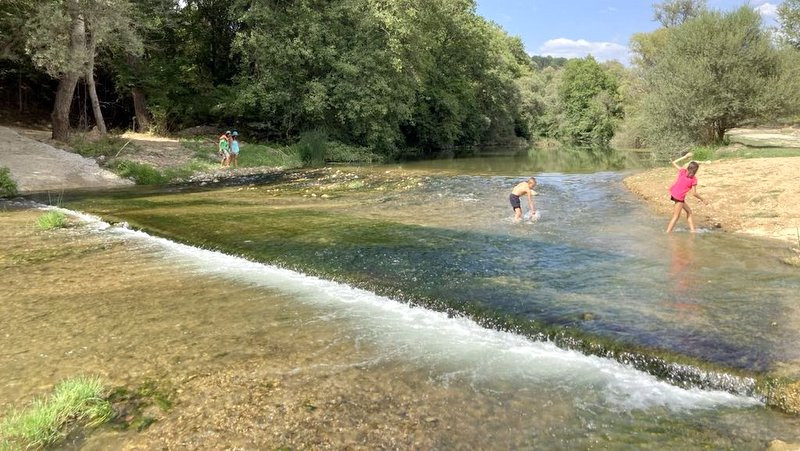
(696, 80)
(402, 77)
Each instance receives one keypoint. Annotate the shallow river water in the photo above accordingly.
(339, 308)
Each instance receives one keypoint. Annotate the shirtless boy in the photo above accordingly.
(522, 189)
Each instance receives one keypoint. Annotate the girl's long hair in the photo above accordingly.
(691, 169)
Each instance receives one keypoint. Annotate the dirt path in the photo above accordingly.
(759, 196)
(36, 166)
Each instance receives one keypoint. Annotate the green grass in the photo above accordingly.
(140, 173)
(251, 154)
(313, 149)
(202, 148)
(188, 169)
(767, 152)
(107, 146)
(75, 401)
(51, 220)
(8, 187)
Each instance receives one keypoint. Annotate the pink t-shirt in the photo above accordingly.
(682, 185)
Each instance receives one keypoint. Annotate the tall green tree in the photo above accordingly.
(64, 37)
(710, 74)
(424, 73)
(588, 93)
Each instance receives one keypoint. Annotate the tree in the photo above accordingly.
(588, 94)
(710, 74)
(430, 74)
(64, 38)
(671, 13)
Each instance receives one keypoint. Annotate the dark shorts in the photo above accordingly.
(676, 200)
(514, 201)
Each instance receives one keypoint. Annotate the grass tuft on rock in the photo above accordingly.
(51, 220)
(75, 402)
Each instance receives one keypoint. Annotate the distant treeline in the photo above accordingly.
(429, 75)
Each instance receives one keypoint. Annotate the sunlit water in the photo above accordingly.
(136, 306)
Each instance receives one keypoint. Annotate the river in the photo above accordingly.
(412, 288)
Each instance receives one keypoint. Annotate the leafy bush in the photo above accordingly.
(51, 220)
(44, 422)
(140, 173)
(311, 148)
(8, 187)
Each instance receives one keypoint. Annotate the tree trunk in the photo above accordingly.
(89, 77)
(98, 115)
(63, 102)
(140, 107)
(721, 129)
(68, 79)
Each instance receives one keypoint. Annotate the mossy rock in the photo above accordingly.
(785, 397)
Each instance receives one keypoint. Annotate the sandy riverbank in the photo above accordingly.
(759, 196)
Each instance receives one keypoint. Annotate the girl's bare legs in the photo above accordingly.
(676, 213)
(689, 217)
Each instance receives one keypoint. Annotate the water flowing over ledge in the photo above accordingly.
(626, 377)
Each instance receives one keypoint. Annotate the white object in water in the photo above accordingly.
(533, 217)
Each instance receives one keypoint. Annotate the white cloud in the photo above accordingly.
(767, 10)
(572, 48)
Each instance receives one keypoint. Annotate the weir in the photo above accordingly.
(199, 317)
(594, 275)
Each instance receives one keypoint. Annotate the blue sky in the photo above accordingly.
(576, 28)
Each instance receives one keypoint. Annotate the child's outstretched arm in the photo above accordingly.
(530, 202)
(675, 162)
(697, 195)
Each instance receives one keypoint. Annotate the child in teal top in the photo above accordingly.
(235, 149)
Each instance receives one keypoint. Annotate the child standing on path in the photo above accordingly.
(522, 189)
(685, 182)
(224, 148)
(235, 149)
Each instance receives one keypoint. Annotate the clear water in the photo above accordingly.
(597, 261)
(409, 234)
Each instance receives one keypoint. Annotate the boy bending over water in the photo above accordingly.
(522, 189)
(685, 183)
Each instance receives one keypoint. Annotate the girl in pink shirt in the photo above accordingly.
(685, 183)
